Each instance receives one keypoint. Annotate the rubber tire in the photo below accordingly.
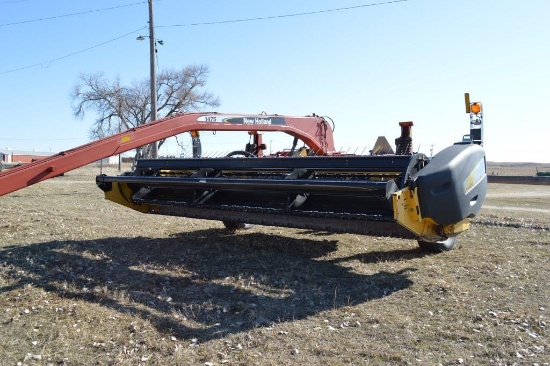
(233, 226)
(438, 246)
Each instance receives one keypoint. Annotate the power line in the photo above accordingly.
(285, 15)
(13, 1)
(69, 15)
(47, 63)
(49, 139)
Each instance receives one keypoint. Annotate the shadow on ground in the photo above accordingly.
(224, 283)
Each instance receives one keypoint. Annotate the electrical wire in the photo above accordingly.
(70, 15)
(47, 63)
(50, 139)
(284, 15)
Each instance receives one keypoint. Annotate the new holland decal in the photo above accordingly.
(243, 120)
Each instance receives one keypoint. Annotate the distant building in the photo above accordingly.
(18, 156)
(8, 156)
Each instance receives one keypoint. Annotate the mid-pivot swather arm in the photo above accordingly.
(314, 131)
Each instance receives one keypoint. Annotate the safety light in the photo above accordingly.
(475, 108)
(476, 121)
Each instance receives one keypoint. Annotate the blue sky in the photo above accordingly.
(367, 68)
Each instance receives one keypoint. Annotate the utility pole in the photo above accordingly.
(152, 51)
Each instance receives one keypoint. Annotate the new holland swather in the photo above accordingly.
(388, 192)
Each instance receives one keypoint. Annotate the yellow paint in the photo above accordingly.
(125, 139)
(121, 193)
(467, 101)
(454, 229)
(406, 211)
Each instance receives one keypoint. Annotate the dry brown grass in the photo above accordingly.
(85, 281)
(523, 169)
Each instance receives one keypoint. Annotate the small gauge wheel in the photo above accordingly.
(438, 246)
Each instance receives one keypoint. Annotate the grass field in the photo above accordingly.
(525, 169)
(84, 281)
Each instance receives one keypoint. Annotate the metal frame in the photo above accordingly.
(313, 130)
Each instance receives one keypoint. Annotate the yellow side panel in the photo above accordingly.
(406, 211)
(121, 194)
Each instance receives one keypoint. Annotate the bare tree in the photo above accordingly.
(121, 107)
